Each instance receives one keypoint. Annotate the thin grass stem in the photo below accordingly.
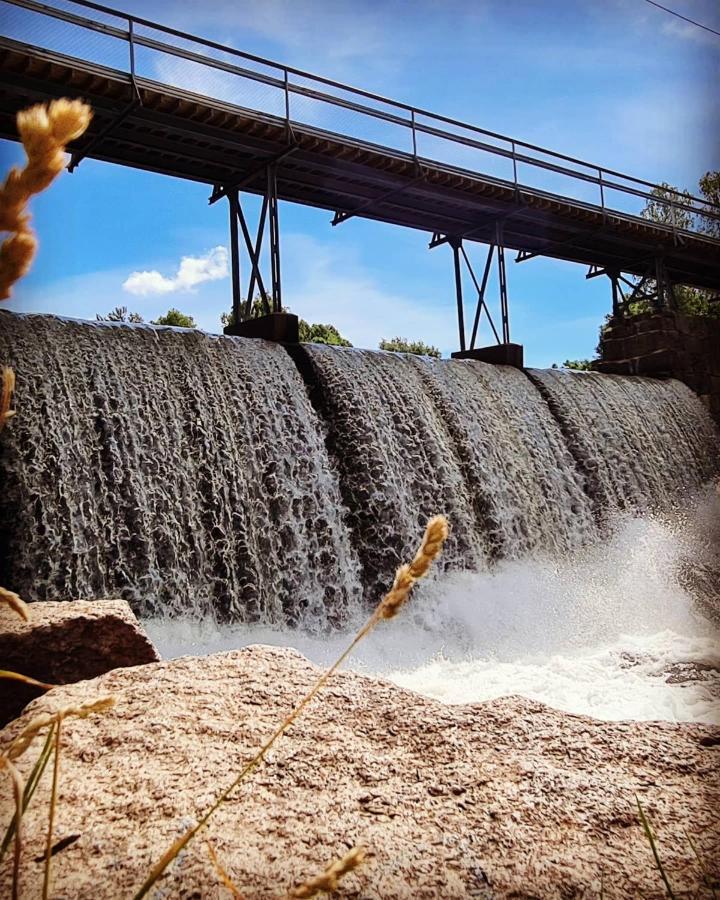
(26, 679)
(651, 839)
(51, 814)
(30, 785)
(18, 790)
(435, 535)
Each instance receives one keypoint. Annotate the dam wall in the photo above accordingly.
(223, 476)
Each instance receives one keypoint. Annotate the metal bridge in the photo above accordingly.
(177, 104)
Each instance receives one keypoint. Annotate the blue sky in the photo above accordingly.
(616, 82)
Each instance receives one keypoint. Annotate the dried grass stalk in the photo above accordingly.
(33, 682)
(222, 873)
(30, 785)
(329, 879)
(435, 535)
(23, 740)
(6, 392)
(8, 598)
(18, 791)
(51, 813)
(44, 132)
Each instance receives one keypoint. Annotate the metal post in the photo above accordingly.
(274, 240)
(287, 106)
(615, 289)
(131, 42)
(659, 282)
(254, 254)
(502, 279)
(414, 139)
(234, 205)
(456, 244)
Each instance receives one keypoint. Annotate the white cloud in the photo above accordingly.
(192, 271)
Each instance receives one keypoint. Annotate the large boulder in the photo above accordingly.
(502, 799)
(67, 642)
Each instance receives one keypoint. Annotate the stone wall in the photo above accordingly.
(669, 344)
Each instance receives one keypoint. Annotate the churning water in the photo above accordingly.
(233, 493)
(614, 633)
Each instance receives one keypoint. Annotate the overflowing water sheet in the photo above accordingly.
(181, 471)
(396, 460)
(641, 442)
(234, 492)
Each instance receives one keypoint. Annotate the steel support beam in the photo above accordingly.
(456, 245)
(274, 239)
(234, 207)
(502, 280)
(460, 256)
(269, 216)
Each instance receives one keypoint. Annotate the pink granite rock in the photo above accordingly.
(67, 642)
(502, 799)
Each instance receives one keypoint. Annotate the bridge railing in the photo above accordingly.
(147, 50)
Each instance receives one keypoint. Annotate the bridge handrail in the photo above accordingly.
(686, 202)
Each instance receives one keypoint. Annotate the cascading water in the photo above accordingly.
(184, 472)
(232, 499)
(642, 442)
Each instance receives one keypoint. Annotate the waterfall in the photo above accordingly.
(415, 436)
(642, 443)
(228, 478)
(184, 472)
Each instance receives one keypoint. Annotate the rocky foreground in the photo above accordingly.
(501, 799)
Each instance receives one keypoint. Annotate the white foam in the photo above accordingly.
(610, 633)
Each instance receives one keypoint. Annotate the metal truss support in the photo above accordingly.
(503, 283)
(654, 286)
(269, 221)
(460, 257)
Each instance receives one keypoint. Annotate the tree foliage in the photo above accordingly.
(690, 301)
(175, 317)
(580, 365)
(403, 345)
(309, 332)
(120, 314)
(317, 333)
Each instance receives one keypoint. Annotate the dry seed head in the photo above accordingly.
(69, 119)
(16, 256)
(330, 878)
(436, 533)
(85, 709)
(15, 603)
(44, 131)
(23, 740)
(20, 744)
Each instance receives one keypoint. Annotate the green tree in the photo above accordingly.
(309, 333)
(120, 314)
(317, 333)
(690, 301)
(710, 189)
(175, 317)
(580, 365)
(403, 345)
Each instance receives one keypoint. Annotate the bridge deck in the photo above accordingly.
(175, 132)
